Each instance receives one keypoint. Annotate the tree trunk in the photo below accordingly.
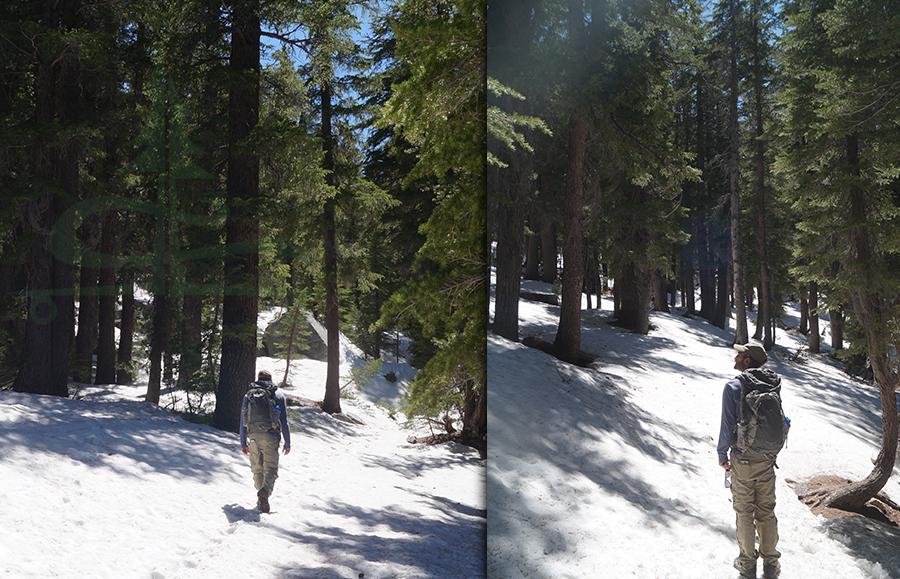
(855, 495)
(567, 344)
(722, 297)
(837, 329)
(106, 342)
(86, 337)
(126, 331)
(332, 401)
(515, 184)
(474, 430)
(510, 224)
(549, 252)
(634, 287)
(707, 263)
(765, 303)
(673, 292)
(160, 282)
(813, 336)
(568, 336)
(191, 361)
(734, 176)
(159, 339)
(694, 253)
(617, 298)
(804, 310)
(533, 252)
(660, 285)
(293, 312)
(240, 302)
(592, 278)
(49, 329)
(869, 308)
(688, 299)
(512, 39)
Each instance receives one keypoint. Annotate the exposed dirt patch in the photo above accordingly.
(434, 439)
(879, 508)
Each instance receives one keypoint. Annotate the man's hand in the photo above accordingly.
(726, 465)
(245, 450)
(287, 450)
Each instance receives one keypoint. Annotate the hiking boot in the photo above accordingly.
(745, 572)
(771, 571)
(263, 501)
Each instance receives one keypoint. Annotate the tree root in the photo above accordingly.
(819, 493)
(823, 496)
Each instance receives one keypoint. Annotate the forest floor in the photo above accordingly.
(610, 471)
(108, 486)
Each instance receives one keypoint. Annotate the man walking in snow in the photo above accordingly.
(263, 421)
(753, 473)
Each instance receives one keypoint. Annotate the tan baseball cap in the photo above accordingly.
(754, 349)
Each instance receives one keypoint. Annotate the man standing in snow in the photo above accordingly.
(264, 419)
(753, 474)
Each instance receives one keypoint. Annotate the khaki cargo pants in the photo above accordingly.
(753, 497)
(264, 460)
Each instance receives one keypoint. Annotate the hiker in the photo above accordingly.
(263, 420)
(752, 471)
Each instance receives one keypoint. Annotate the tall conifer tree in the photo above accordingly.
(241, 301)
(842, 109)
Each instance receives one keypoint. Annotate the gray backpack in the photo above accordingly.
(262, 412)
(762, 426)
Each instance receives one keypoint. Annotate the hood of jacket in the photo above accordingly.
(264, 384)
(762, 379)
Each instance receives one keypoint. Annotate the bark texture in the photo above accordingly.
(241, 296)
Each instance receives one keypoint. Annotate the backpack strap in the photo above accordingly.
(743, 402)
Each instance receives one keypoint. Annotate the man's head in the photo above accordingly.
(264, 375)
(750, 355)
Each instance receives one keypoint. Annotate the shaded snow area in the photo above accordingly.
(611, 472)
(108, 486)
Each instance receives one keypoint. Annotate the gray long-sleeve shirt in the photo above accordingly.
(731, 403)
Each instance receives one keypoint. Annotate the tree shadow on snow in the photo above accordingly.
(99, 434)
(870, 540)
(654, 352)
(412, 466)
(564, 426)
(396, 537)
(847, 404)
(315, 423)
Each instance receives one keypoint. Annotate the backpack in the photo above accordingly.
(762, 425)
(262, 412)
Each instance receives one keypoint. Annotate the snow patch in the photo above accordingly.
(612, 471)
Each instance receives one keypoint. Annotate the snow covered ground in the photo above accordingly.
(612, 472)
(108, 486)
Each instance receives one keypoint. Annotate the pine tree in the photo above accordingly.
(241, 301)
(761, 81)
(741, 335)
(62, 51)
(165, 155)
(841, 106)
(441, 110)
(510, 157)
